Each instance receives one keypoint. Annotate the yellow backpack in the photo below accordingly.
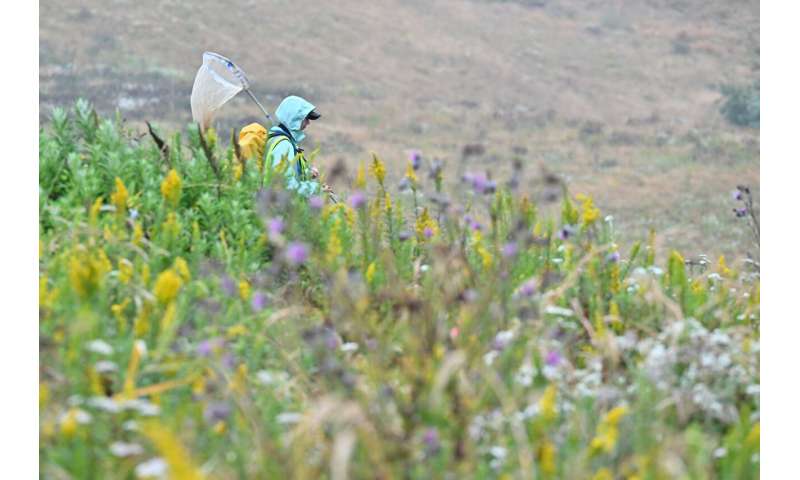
(252, 140)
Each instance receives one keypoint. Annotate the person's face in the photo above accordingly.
(305, 123)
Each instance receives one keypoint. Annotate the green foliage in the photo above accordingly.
(189, 313)
(742, 104)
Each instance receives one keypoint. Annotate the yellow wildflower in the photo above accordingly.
(141, 324)
(44, 394)
(219, 427)
(607, 433)
(361, 178)
(86, 272)
(370, 272)
(167, 285)
(183, 269)
(616, 321)
(426, 226)
(244, 289)
(486, 256)
(754, 437)
(237, 330)
(603, 474)
(411, 175)
(724, 270)
(547, 404)
(119, 197)
(181, 466)
(589, 213)
(378, 170)
(334, 246)
(547, 458)
(169, 316)
(138, 234)
(94, 211)
(387, 203)
(145, 274)
(171, 226)
(171, 187)
(125, 270)
(69, 424)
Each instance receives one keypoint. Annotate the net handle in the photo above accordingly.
(239, 74)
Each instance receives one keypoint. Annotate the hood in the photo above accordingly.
(291, 113)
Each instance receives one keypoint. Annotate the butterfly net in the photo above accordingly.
(214, 84)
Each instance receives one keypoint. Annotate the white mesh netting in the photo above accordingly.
(214, 85)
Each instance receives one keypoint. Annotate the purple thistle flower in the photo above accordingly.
(404, 235)
(740, 212)
(566, 232)
(553, 358)
(476, 226)
(228, 286)
(528, 288)
(613, 257)
(316, 202)
(297, 253)
(357, 199)
(428, 232)
(736, 194)
(258, 302)
(216, 412)
(431, 440)
(416, 159)
(207, 347)
(275, 227)
(510, 249)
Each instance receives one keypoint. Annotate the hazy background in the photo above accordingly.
(621, 98)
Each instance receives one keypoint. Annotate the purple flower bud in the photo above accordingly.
(553, 358)
(258, 302)
(566, 232)
(510, 249)
(357, 199)
(404, 235)
(428, 232)
(275, 227)
(476, 226)
(228, 286)
(216, 412)
(208, 347)
(297, 253)
(740, 212)
(431, 440)
(613, 257)
(416, 159)
(736, 194)
(316, 202)
(528, 288)
(404, 184)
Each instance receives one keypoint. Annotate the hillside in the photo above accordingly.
(620, 98)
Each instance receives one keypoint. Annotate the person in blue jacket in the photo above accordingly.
(293, 114)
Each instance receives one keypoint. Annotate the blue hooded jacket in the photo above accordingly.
(291, 113)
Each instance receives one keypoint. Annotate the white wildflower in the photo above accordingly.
(288, 417)
(105, 366)
(153, 468)
(349, 347)
(104, 403)
(122, 449)
(99, 346)
(560, 311)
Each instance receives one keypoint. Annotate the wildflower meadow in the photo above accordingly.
(198, 320)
